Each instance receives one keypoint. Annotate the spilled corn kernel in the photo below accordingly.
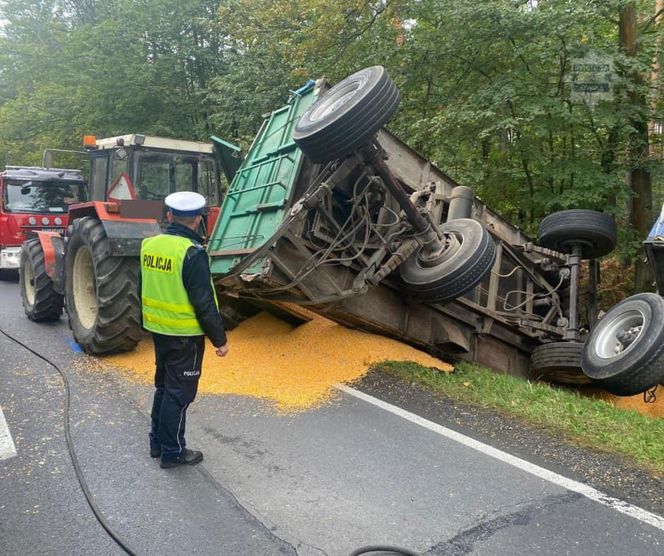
(294, 368)
(653, 409)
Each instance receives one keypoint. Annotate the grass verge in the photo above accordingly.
(585, 421)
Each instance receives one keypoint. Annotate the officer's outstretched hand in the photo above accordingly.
(222, 351)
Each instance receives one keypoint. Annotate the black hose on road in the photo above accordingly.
(72, 453)
(384, 549)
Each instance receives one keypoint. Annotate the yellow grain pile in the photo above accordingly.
(293, 367)
(655, 409)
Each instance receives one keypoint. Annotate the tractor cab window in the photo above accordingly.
(208, 181)
(119, 159)
(157, 174)
(98, 175)
(42, 196)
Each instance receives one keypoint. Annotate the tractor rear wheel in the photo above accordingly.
(101, 291)
(40, 300)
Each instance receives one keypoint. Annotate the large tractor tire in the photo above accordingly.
(41, 302)
(624, 352)
(595, 232)
(469, 255)
(347, 116)
(100, 291)
(558, 362)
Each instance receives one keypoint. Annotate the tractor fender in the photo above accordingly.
(125, 236)
(124, 233)
(53, 246)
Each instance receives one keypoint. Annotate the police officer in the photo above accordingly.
(180, 308)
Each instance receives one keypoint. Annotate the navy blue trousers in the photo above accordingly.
(178, 368)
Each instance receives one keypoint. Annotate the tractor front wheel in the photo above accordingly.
(100, 291)
(40, 300)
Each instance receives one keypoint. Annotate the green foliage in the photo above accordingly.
(76, 67)
(485, 85)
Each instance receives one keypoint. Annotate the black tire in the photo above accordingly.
(627, 369)
(594, 231)
(41, 302)
(100, 291)
(457, 273)
(347, 116)
(558, 362)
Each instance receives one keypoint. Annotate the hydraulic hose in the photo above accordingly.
(72, 453)
(384, 549)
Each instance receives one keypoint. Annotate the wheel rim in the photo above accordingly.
(85, 288)
(29, 283)
(335, 100)
(620, 334)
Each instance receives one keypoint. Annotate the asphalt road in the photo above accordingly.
(322, 482)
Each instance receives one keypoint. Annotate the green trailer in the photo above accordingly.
(332, 212)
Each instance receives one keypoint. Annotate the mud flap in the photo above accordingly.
(53, 246)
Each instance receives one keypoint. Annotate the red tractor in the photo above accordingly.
(92, 269)
(34, 200)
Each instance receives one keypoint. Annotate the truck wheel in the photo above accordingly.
(100, 291)
(40, 300)
(594, 231)
(558, 362)
(624, 352)
(347, 115)
(469, 254)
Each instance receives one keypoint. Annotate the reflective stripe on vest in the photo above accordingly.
(166, 306)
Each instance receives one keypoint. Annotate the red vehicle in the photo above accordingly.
(91, 267)
(32, 200)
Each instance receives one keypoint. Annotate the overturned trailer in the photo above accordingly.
(332, 212)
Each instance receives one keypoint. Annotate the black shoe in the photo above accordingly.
(155, 452)
(187, 457)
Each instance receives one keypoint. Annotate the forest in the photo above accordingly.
(539, 105)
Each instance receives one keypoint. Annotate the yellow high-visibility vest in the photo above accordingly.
(166, 306)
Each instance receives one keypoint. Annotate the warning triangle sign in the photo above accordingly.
(121, 189)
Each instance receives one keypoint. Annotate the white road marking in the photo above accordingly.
(7, 448)
(569, 484)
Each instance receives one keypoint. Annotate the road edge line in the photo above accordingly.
(589, 492)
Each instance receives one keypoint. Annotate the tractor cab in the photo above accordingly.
(92, 268)
(134, 173)
(148, 168)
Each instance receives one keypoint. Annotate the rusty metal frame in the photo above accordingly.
(479, 326)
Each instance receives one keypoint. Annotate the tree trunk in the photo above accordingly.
(637, 149)
(654, 127)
